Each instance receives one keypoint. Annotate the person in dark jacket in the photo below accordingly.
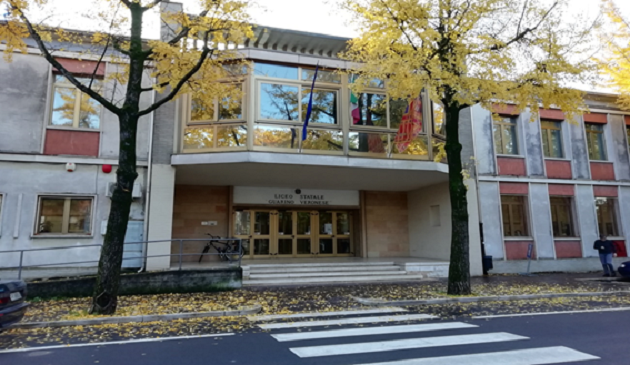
(606, 251)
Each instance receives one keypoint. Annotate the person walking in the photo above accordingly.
(606, 251)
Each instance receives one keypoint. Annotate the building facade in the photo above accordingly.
(350, 189)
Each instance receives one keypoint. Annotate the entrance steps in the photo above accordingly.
(336, 272)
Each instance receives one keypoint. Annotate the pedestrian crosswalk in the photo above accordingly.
(306, 340)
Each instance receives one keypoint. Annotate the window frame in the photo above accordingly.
(546, 134)
(65, 84)
(590, 134)
(524, 213)
(65, 218)
(571, 214)
(503, 125)
(300, 86)
(216, 104)
(614, 219)
(2, 200)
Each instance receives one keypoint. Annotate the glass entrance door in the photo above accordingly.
(287, 233)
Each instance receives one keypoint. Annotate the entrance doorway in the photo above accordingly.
(294, 233)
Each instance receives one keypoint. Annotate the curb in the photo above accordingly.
(139, 319)
(381, 302)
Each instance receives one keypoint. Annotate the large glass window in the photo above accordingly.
(279, 102)
(595, 141)
(64, 215)
(562, 217)
(225, 109)
(72, 108)
(607, 216)
(275, 71)
(514, 215)
(505, 138)
(552, 139)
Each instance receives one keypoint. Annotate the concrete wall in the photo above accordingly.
(21, 183)
(23, 103)
(579, 149)
(194, 204)
(531, 146)
(490, 205)
(25, 99)
(484, 144)
(187, 281)
(540, 216)
(387, 224)
(160, 220)
(587, 219)
(430, 224)
(618, 147)
(109, 122)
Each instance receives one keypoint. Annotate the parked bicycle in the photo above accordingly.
(229, 250)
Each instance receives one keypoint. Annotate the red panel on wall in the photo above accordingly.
(627, 118)
(511, 166)
(64, 142)
(596, 118)
(554, 114)
(81, 67)
(605, 191)
(620, 247)
(602, 171)
(558, 169)
(568, 249)
(561, 190)
(517, 250)
(513, 188)
(508, 109)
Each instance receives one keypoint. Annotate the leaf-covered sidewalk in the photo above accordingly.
(279, 300)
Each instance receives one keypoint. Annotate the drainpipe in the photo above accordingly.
(147, 203)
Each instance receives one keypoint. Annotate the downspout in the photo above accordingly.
(147, 203)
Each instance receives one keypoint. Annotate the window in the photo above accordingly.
(514, 216)
(275, 71)
(72, 108)
(552, 139)
(439, 127)
(64, 215)
(595, 141)
(504, 131)
(216, 124)
(607, 216)
(628, 135)
(289, 103)
(562, 217)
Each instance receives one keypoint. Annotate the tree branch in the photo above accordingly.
(204, 56)
(522, 34)
(48, 56)
(152, 5)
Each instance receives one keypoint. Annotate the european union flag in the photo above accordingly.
(310, 105)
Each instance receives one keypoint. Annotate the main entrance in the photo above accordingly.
(294, 233)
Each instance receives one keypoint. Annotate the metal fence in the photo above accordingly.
(227, 249)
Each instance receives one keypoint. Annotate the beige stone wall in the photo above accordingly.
(194, 204)
(387, 218)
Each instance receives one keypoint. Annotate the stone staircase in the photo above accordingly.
(338, 272)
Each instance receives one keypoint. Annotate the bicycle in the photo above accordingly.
(228, 250)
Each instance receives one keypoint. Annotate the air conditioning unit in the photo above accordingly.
(136, 193)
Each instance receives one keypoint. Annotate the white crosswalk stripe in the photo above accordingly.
(355, 320)
(325, 314)
(386, 325)
(348, 332)
(412, 343)
(536, 356)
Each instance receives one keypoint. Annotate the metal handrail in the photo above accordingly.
(181, 241)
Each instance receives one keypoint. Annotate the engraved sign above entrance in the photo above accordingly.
(296, 197)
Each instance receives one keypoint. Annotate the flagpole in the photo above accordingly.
(309, 109)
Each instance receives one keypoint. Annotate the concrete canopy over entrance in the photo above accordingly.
(264, 169)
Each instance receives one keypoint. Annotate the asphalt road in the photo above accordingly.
(604, 335)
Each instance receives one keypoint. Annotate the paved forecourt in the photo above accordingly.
(406, 339)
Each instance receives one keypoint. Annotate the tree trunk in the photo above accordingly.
(459, 269)
(105, 298)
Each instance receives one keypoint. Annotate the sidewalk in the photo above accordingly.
(282, 300)
(287, 300)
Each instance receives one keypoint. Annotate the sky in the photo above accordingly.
(318, 16)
